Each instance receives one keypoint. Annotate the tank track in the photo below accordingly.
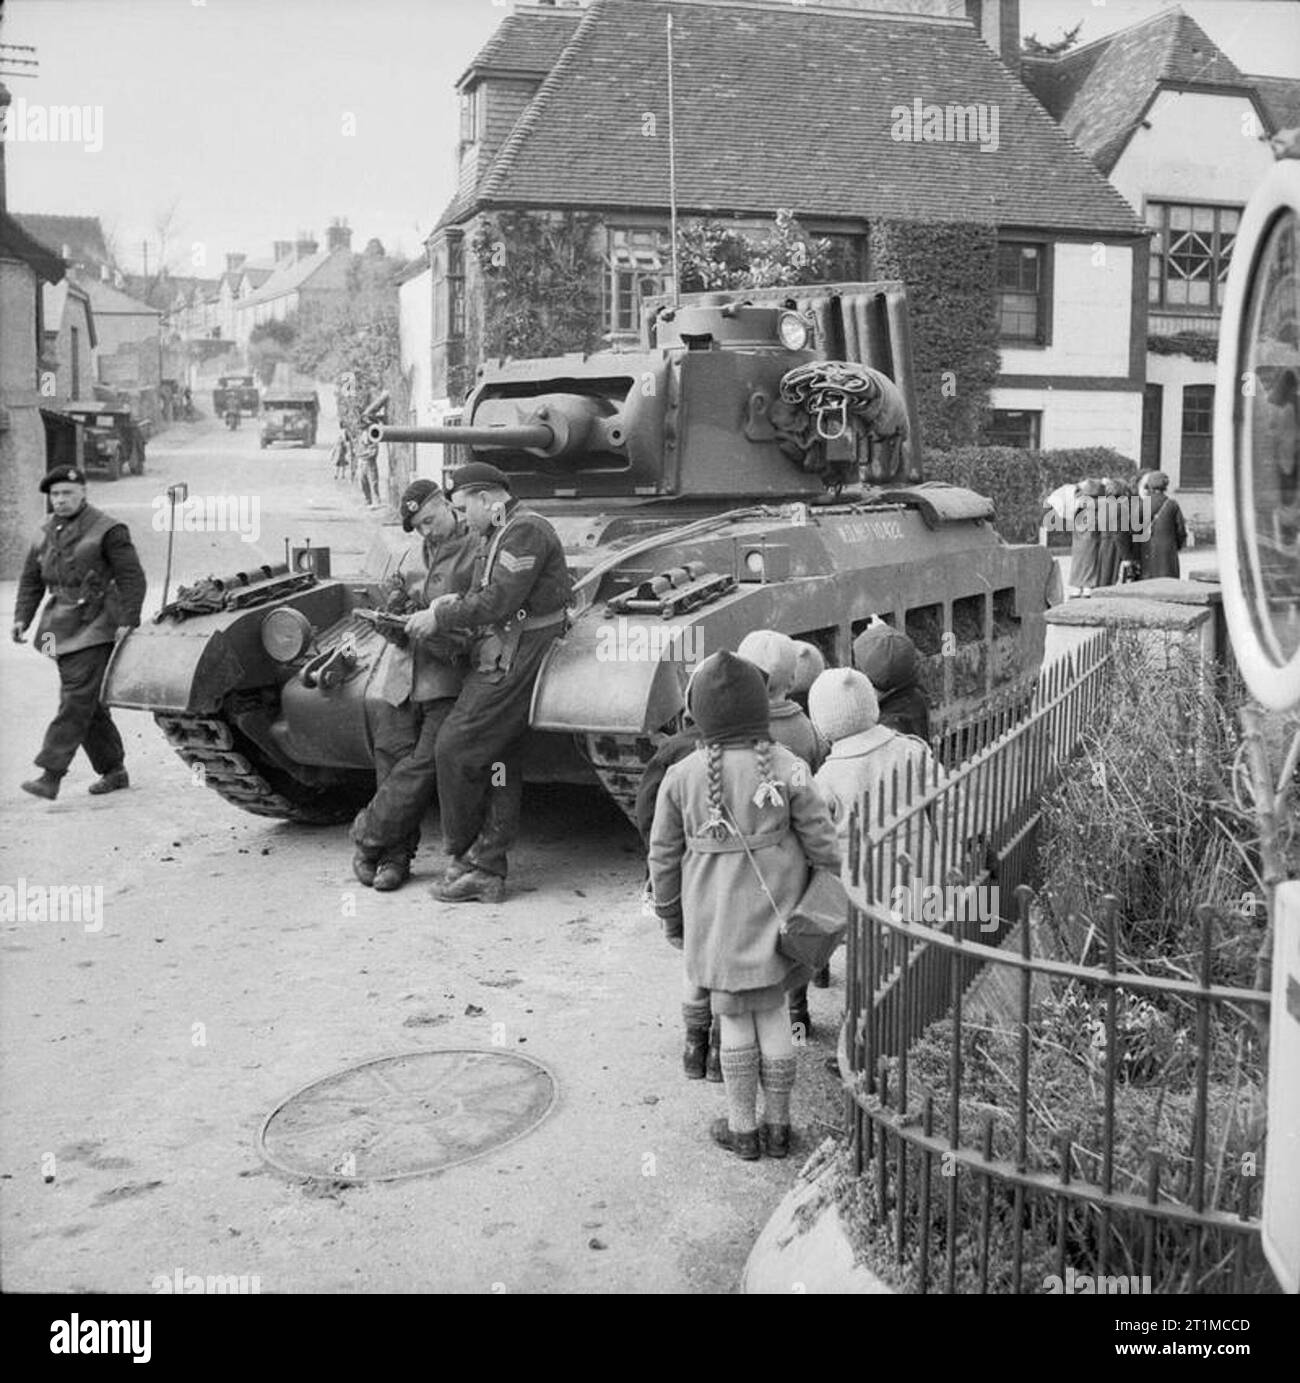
(619, 762)
(210, 742)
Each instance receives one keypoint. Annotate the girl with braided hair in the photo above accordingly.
(715, 906)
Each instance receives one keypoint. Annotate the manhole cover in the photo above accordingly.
(406, 1116)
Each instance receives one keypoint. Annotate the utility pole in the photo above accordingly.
(144, 247)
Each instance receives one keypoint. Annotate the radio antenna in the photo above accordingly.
(672, 168)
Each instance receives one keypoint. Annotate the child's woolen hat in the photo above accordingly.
(808, 666)
(842, 702)
(773, 653)
(727, 698)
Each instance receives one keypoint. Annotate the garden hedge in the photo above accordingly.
(1019, 481)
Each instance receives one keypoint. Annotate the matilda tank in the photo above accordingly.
(756, 463)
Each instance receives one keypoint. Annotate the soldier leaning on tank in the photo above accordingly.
(414, 689)
(518, 609)
(85, 562)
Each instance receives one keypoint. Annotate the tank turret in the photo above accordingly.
(754, 463)
(725, 398)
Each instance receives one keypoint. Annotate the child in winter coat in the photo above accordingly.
(891, 663)
(864, 755)
(712, 902)
(775, 655)
(809, 664)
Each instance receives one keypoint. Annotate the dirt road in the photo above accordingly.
(239, 959)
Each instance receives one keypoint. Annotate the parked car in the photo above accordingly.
(242, 389)
(112, 440)
(290, 417)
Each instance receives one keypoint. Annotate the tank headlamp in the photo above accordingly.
(793, 331)
(286, 634)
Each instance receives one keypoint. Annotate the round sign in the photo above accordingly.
(405, 1116)
(1257, 441)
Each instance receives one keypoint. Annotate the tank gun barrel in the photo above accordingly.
(525, 437)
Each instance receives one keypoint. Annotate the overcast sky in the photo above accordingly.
(235, 111)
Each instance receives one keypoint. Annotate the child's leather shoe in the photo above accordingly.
(775, 1140)
(744, 1145)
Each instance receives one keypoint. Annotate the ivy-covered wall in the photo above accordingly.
(950, 272)
(541, 284)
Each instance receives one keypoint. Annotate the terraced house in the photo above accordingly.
(844, 117)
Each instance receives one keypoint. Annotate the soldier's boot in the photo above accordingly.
(47, 785)
(113, 781)
(477, 886)
(457, 867)
(391, 875)
(365, 866)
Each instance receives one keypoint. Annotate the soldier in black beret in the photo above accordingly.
(85, 562)
(516, 611)
(411, 694)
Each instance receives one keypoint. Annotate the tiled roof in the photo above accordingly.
(529, 40)
(290, 277)
(21, 244)
(1100, 92)
(107, 301)
(83, 235)
(1281, 97)
(790, 106)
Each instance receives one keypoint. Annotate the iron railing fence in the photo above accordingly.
(990, 1170)
(958, 843)
(1000, 1151)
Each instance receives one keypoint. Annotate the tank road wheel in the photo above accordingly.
(234, 767)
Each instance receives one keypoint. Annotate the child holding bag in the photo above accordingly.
(712, 901)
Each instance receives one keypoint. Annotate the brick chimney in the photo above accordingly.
(234, 263)
(282, 250)
(304, 246)
(997, 22)
(338, 236)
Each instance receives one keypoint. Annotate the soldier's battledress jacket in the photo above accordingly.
(525, 582)
(88, 567)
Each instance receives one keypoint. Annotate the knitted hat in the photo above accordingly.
(887, 657)
(842, 702)
(773, 653)
(808, 666)
(727, 698)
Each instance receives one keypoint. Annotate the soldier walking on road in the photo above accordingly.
(518, 610)
(416, 687)
(85, 562)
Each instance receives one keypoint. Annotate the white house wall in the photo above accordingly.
(415, 337)
(1199, 148)
(1092, 291)
(1081, 417)
(1174, 373)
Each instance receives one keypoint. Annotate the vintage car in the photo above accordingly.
(237, 391)
(111, 440)
(290, 417)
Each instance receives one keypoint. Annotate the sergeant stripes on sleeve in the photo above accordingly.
(516, 564)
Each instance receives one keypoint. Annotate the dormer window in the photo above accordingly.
(1190, 253)
(469, 115)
